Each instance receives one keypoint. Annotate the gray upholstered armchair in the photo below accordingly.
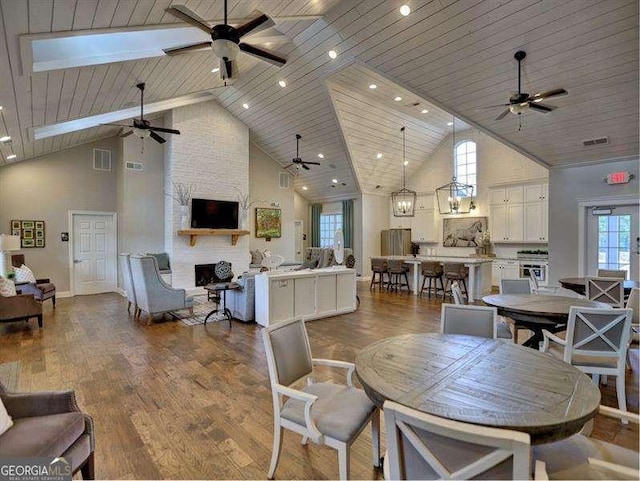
(42, 289)
(48, 424)
(153, 295)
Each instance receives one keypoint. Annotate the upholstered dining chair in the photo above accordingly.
(454, 272)
(515, 286)
(478, 321)
(582, 457)
(379, 267)
(48, 424)
(153, 295)
(432, 270)
(422, 446)
(609, 290)
(612, 273)
(397, 271)
(127, 283)
(504, 328)
(596, 342)
(326, 413)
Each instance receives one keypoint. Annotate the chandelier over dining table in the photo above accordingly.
(404, 200)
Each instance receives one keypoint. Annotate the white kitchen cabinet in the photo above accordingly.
(423, 227)
(506, 223)
(536, 192)
(513, 194)
(536, 221)
(399, 222)
(308, 294)
(504, 269)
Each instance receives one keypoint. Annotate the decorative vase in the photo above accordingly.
(244, 219)
(185, 221)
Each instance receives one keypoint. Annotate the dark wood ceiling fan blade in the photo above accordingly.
(126, 134)
(183, 13)
(187, 48)
(311, 163)
(263, 54)
(228, 69)
(157, 138)
(304, 166)
(118, 125)
(545, 109)
(548, 94)
(260, 22)
(162, 129)
(503, 114)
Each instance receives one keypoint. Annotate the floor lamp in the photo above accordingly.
(8, 243)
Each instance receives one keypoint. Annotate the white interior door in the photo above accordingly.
(299, 239)
(613, 241)
(94, 253)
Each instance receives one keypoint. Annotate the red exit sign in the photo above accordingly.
(621, 177)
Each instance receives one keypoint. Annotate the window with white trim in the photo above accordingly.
(465, 163)
(329, 223)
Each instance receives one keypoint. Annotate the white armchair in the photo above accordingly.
(153, 295)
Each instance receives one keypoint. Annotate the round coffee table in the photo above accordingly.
(481, 381)
(537, 312)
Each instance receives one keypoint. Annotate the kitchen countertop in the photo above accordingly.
(465, 260)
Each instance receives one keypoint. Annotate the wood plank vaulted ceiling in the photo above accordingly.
(457, 56)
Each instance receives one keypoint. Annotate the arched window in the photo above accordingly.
(465, 163)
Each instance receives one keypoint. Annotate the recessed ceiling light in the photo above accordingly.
(321, 156)
(215, 70)
(424, 111)
(406, 162)
(6, 138)
(282, 83)
(304, 187)
(11, 157)
(373, 86)
(378, 155)
(0, 107)
(398, 99)
(245, 106)
(333, 54)
(449, 124)
(405, 10)
(335, 181)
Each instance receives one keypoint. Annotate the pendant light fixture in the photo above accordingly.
(455, 197)
(404, 200)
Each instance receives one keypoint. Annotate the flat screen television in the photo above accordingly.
(214, 214)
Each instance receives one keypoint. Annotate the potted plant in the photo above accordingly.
(182, 195)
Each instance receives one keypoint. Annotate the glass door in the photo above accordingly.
(614, 241)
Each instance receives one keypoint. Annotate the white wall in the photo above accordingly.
(212, 154)
(569, 186)
(302, 212)
(497, 164)
(375, 218)
(264, 188)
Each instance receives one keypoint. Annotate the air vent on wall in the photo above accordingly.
(284, 180)
(598, 141)
(101, 159)
(136, 166)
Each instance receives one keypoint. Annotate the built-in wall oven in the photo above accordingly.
(539, 269)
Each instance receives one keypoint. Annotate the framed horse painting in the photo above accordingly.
(463, 232)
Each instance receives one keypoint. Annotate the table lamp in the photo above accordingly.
(8, 243)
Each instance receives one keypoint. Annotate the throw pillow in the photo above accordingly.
(24, 274)
(350, 261)
(7, 287)
(5, 420)
(309, 264)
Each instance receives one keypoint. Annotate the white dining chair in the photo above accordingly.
(469, 320)
(536, 288)
(422, 446)
(505, 329)
(609, 290)
(583, 457)
(327, 413)
(596, 343)
(515, 286)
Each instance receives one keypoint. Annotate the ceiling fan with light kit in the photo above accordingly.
(297, 161)
(141, 127)
(226, 39)
(521, 101)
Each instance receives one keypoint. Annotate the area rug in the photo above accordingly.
(201, 308)
(9, 374)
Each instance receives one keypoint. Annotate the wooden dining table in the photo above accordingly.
(578, 284)
(481, 381)
(537, 312)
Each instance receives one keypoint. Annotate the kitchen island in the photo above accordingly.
(479, 283)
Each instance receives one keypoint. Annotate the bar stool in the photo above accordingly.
(378, 266)
(397, 272)
(432, 270)
(455, 272)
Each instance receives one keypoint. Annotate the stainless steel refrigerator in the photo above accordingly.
(395, 242)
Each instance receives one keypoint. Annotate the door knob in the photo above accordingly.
(76, 261)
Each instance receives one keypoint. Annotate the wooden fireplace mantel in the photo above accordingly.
(194, 233)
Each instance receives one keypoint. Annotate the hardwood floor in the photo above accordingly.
(179, 402)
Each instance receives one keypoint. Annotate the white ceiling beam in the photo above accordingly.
(60, 128)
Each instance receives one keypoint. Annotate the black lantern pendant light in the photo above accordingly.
(455, 197)
(404, 200)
